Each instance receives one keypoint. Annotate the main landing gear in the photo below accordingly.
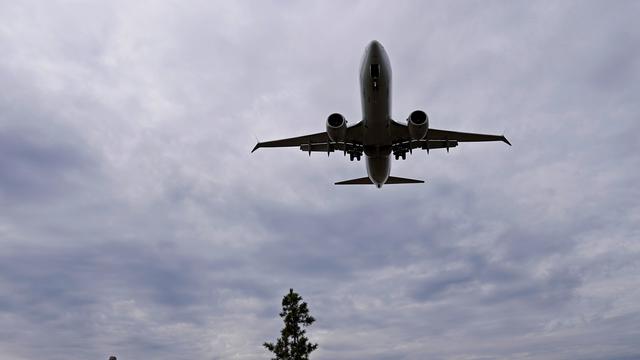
(400, 154)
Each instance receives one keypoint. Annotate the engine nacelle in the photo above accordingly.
(336, 127)
(418, 123)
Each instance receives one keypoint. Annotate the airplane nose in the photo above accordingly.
(375, 48)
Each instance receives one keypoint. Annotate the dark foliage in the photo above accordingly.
(293, 344)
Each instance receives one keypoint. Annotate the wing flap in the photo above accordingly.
(430, 144)
(331, 147)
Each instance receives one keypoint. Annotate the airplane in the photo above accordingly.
(377, 135)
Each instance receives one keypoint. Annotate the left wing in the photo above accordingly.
(400, 133)
(295, 141)
(353, 136)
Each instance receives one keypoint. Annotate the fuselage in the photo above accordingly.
(375, 90)
(377, 136)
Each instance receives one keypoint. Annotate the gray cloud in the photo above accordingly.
(134, 221)
(36, 167)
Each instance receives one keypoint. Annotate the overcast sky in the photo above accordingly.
(135, 222)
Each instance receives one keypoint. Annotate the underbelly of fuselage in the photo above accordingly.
(376, 111)
(378, 169)
(377, 148)
(377, 117)
(375, 86)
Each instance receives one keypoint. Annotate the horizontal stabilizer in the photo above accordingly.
(390, 180)
(358, 181)
(399, 180)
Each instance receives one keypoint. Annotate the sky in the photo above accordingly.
(135, 222)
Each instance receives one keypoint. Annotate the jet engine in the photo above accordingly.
(336, 127)
(418, 123)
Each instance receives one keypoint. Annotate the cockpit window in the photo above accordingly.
(375, 71)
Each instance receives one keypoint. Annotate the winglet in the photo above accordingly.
(256, 147)
(505, 140)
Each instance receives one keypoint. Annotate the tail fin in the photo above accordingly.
(390, 180)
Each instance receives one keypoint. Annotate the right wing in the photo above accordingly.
(437, 134)
(400, 133)
(354, 136)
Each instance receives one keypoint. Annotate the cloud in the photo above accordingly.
(135, 222)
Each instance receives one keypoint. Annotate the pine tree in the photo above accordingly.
(293, 344)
